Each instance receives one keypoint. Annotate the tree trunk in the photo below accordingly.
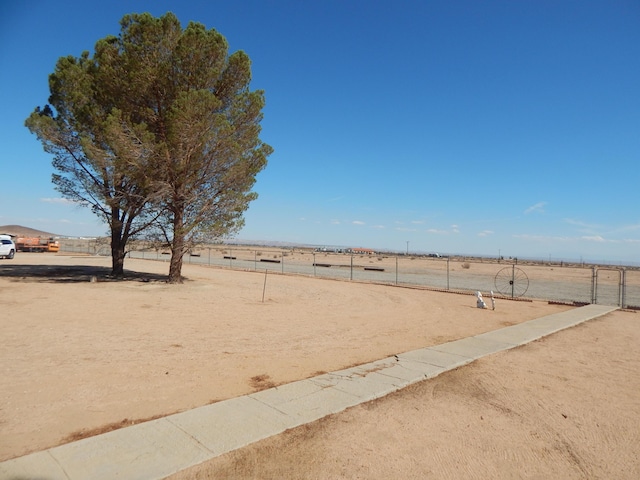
(177, 251)
(117, 256)
(175, 268)
(118, 244)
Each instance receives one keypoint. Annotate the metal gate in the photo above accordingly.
(607, 286)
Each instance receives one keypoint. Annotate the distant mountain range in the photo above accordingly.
(20, 231)
(263, 243)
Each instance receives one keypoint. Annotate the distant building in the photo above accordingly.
(363, 251)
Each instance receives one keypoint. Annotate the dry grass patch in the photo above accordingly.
(262, 382)
(80, 434)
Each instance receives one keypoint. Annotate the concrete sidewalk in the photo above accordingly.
(158, 448)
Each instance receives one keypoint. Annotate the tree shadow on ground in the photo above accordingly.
(73, 274)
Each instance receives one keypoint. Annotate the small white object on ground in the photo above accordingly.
(480, 303)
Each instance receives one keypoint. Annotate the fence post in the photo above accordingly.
(396, 270)
(447, 273)
(623, 287)
(351, 273)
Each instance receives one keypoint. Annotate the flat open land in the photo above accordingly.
(81, 357)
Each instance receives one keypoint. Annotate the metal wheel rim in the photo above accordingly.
(511, 282)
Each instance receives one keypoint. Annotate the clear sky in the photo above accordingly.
(494, 127)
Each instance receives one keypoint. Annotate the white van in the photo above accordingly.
(7, 247)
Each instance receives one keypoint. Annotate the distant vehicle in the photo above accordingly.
(37, 244)
(7, 247)
(434, 255)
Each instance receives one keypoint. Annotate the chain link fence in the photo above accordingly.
(553, 281)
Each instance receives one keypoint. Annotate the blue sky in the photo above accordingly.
(470, 127)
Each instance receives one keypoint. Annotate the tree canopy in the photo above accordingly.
(158, 130)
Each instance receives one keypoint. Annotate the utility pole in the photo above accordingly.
(407, 247)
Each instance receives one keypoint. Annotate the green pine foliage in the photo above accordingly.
(158, 132)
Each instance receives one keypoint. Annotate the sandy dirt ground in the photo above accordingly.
(80, 357)
(564, 407)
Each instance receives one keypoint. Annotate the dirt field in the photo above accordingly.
(80, 357)
(565, 407)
